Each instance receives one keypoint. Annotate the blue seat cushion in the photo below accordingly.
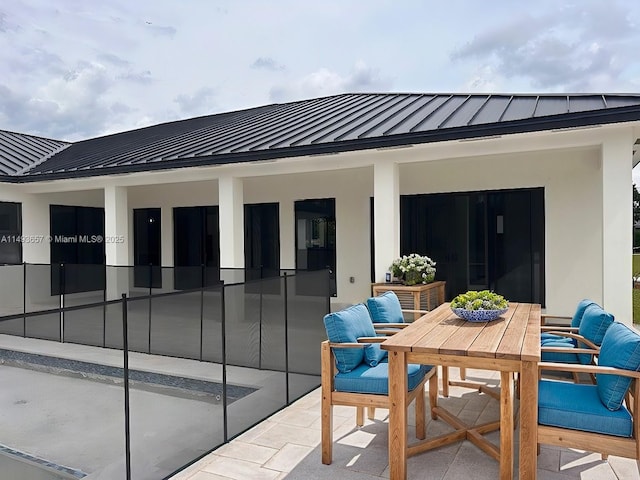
(578, 407)
(385, 308)
(365, 379)
(621, 349)
(568, 357)
(347, 326)
(593, 326)
(373, 354)
(550, 338)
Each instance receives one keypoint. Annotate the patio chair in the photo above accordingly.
(355, 373)
(604, 417)
(387, 315)
(545, 328)
(581, 347)
(387, 312)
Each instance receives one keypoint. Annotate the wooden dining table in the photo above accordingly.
(510, 344)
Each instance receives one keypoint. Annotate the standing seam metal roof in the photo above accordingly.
(329, 124)
(20, 152)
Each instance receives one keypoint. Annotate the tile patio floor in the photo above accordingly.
(287, 445)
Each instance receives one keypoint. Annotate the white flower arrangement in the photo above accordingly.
(413, 269)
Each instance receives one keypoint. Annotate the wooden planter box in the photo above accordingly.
(415, 297)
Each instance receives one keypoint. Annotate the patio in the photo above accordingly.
(287, 445)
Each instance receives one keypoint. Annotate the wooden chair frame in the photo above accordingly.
(596, 442)
(568, 332)
(331, 397)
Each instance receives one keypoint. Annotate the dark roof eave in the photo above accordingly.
(573, 120)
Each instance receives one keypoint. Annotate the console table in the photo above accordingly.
(424, 296)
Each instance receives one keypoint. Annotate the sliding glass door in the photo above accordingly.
(147, 272)
(480, 240)
(196, 247)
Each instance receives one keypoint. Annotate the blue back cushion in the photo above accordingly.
(621, 349)
(373, 354)
(582, 306)
(346, 326)
(385, 308)
(595, 322)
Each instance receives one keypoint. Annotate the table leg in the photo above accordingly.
(528, 420)
(398, 384)
(506, 425)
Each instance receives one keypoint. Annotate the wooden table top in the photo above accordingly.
(513, 336)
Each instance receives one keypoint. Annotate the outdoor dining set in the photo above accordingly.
(565, 384)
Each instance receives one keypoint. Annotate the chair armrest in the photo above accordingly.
(589, 351)
(577, 337)
(347, 345)
(390, 325)
(579, 368)
(371, 339)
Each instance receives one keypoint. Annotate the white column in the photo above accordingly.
(166, 236)
(287, 235)
(231, 211)
(386, 206)
(116, 232)
(617, 224)
(35, 225)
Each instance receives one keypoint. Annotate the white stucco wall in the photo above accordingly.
(165, 197)
(573, 211)
(35, 215)
(352, 189)
(567, 164)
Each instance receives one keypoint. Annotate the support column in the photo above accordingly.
(166, 235)
(386, 206)
(116, 247)
(617, 224)
(287, 235)
(231, 210)
(35, 225)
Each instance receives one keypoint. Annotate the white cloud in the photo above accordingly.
(576, 47)
(267, 63)
(116, 64)
(198, 103)
(324, 82)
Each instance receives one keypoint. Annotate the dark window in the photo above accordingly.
(261, 240)
(147, 271)
(480, 240)
(10, 232)
(77, 241)
(316, 236)
(196, 246)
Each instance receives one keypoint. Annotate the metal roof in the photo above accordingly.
(331, 124)
(20, 152)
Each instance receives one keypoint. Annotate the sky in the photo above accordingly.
(74, 69)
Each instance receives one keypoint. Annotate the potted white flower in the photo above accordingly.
(414, 269)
